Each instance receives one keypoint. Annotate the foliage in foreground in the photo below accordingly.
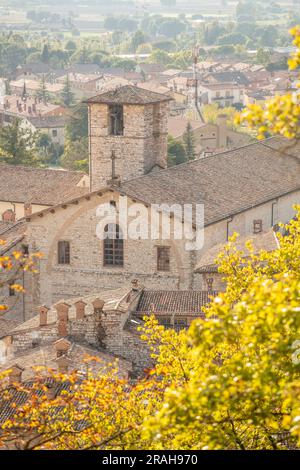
(12, 264)
(232, 381)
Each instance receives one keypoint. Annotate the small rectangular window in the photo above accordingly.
(116, 119)
(54, 133)
(165, 321)
(180, 324)
(12, 291)
(257, 226)
(163, 258)
(25, 249)
(63, 252)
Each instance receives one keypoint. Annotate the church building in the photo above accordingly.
(246, 190)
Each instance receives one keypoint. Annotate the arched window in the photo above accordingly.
(113, 246)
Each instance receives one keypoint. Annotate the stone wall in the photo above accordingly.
(143, 144)
(86, 273)
(104, 330)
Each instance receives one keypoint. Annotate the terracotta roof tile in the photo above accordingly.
(39, 185)
(226, 183)
(129, 94)
(173, 302)
(46, 356)
(12, 234)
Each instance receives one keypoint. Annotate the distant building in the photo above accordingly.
(33, 86)
(25, 190)
(82, 85)
(223, 94)
(35, 114)
(208, 137)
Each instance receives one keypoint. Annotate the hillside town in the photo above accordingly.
(149, 183)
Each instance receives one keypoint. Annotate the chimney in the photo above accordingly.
(63, 364)
(61, 347)
(80, 309)
(43, 310)
(257, 226)
(135, 285)
(62, 317)
(8, 216)
(98, 305)
(27, 209)
(15, 375)
(222, 130)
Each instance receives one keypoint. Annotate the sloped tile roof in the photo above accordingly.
(284, 146)
(11, 234)
(46, 356)
(48, 121)
(7, 325)
(39, 185)
(129, 94)
(226, 183)
(173, 302)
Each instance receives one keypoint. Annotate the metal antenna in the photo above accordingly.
(196, 54)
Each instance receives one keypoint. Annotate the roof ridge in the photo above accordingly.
(28, 167)
(199, 160)
(10, 227)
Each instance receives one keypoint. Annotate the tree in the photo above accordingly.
(269, 36)
(167, 46)
(172, 27)
(176, 151)
(71, 46)
(281, 114)
(232, 38)
(243, 390)
(245, 11)
(12, 266)
(42, 92)
(17, 145)
(263, 56)
(213, 32)
(75, 156)
(45, 57)
(77, 123)
(49, 151)
(159, 57)
(189, 142)
(137, 39)
(67, 95)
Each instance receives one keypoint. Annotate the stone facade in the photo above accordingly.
(143, 145)
(86, 273)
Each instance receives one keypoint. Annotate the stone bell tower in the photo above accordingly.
(128, 134)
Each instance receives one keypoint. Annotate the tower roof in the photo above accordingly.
(129, 94)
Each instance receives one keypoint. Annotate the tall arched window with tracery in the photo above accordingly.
(113, 246)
